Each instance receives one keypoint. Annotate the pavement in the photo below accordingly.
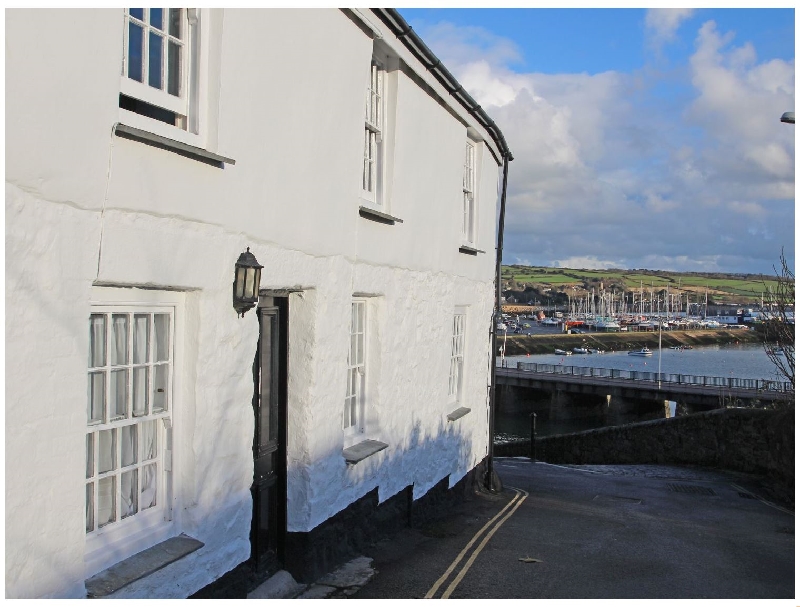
(583, 532)
(343, 582)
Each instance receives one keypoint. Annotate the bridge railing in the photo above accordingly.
(650, 376)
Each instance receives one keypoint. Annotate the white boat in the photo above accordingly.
(580, 350)
(563, 352)
(643, 352)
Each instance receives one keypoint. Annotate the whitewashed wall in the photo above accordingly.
(85, 207)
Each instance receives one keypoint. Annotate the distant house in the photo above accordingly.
(149, 150)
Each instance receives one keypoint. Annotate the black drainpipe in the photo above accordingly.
(400, 28)
(496, 316)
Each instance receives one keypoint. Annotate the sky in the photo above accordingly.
(642, 138)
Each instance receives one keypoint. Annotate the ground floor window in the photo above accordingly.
(130, 368)
(356, 369)
(129, 413)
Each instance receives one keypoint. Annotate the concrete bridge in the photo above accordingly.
(698, 392)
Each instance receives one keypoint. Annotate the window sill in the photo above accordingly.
(457, 414)
(140, 565)
(361, 451)
(171, 145)
(368, 213)
(469, 250)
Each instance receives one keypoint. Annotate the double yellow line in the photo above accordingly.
(492, 527)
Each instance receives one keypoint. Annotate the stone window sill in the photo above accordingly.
(140, 565)
(368, 213)
(469, 250)
(361, 451)
(457, 414)
(171, 145)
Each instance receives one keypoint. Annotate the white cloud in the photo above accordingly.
(585, 263)
(605, 174)
(663, 23)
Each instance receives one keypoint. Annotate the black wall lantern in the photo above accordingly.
(245, 282)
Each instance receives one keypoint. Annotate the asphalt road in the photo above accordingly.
(582, 532)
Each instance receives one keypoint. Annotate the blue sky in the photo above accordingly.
(642, 138)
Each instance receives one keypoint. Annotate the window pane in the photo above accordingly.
(155, 59)
(140, 391)
(127, 445)
(141, 343)
(119, 394)
(135, 53)
(346, 418)
(128, 494)
(159, 388)
(351, 354)
(89, 455)
(119, 339)
(149, 484)
(97, 340)
(174, 69)
(175, 22)
(161, 326)
(360, 349)
(105, 501)
(138, 13)
(89, 507)
(365, 176)
(149, 439)
(157, 18)
(97, 396)
(106, 450)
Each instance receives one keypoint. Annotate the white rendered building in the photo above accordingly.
(155, 439)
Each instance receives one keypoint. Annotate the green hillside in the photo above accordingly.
(722, 288)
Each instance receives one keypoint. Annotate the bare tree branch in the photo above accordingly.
(778, 322)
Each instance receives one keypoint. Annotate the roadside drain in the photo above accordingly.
(692, 489)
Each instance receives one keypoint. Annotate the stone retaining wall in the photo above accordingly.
(754, 441)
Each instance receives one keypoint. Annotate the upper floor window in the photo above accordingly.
(371, 182)
(468, 218)
(156, 58)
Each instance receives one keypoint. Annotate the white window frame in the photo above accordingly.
(127, 536)
(374, 135)
(455, 389)
(142, 90)
(354, 414)
(469, 205)
(191, 112)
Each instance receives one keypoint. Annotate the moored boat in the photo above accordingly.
(643, 352)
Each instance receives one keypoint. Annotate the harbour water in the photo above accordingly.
(744, 361)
